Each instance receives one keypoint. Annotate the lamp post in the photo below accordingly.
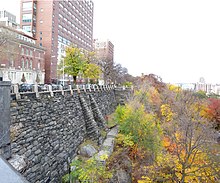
(63, 72)
(51, 62)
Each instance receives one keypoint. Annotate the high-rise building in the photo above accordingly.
(8, 19)
(104, 49)
(57, 24)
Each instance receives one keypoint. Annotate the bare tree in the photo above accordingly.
(106, 66)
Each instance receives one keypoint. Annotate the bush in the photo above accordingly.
(143, 128)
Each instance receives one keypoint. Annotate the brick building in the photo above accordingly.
(104, 49)
(19, 54)
(57, 24)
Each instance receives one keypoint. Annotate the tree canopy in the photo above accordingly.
(78, 61)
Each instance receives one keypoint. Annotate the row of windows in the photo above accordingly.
(26, 28)
(28, 64)
(26, 6)
(13, 75)
(28, 52)
(71, 33)
(62, 40)
(24, 38)
(74, 18)
(83, 41)
(87, 5)
(84, 16)
(27, 17)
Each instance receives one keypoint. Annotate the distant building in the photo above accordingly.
(186, 86)
(8, 19)
(57, 24)
(20, 55)
(104, 49)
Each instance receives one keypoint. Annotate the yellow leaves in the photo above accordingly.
(92, 71)
(174, 88)
(104, 157)
(145, 180)
(166, 112)
(125, 140)
(201, 108)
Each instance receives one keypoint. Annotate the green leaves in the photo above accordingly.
(92, 71)
(89, 170)
(143, 128)
(77, 61)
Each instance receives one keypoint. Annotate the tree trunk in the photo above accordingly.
(74, 79)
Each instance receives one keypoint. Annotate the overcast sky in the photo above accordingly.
(178, 40)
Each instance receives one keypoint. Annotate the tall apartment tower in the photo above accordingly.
(57, 24)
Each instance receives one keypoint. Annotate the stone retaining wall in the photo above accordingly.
(47, 131)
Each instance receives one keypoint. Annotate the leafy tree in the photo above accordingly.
(23, 79)
(92, 71)
(191, 140)
(213, 111)
(77, 61)
(74, 62)
(142, 127)
(189, 152)
(201, 94)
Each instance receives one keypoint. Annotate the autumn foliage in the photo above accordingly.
(169, 134)
(213, 110)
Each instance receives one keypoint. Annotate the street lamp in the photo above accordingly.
(63, 72)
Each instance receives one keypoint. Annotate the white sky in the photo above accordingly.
(178, 40)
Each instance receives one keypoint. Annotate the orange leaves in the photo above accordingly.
(154, 96)
(168, 145)
(214, 109)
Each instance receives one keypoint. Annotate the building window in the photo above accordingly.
(11, 62)
(41, 32)
(26, 28)
(38, 64)
(22, 51)
(22, 63)
(27, 17)
(27, 52)
(40, 44)
(27, 6)
(27, 63)
(40, 38)
(30, 64)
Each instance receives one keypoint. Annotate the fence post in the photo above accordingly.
(5, 98)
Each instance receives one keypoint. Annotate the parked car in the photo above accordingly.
(42, 87)
(25, 87)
